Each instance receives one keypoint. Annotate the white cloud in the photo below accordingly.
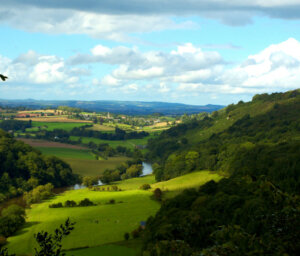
(184, 73)
(277, 66)
(98, 25)
(34, 68)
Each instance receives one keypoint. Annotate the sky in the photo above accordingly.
(193, 51)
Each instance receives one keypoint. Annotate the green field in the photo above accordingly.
(102, 128)
(113, 219)
(83, 161)
(49, 126)
(105, 223)
(86, 167)
(68, 153)
(194, 179)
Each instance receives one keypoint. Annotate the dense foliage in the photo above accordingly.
(23, 168)
(256, 211)
(176, 155)
(12, 218)
(64, 135)
(13, 125)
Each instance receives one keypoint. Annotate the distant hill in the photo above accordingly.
(121, 107)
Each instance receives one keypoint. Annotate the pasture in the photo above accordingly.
(67, 153)
(95, 225)
(102, 227)
(86, 167)
(190, 180)
(83, 161)
(50, 126)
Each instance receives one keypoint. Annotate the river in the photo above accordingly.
(147, 169)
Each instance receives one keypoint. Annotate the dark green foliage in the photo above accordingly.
(70, 203)
(4, 252)
(126, 236)
(157, 194)
(112, 201)
(86, 202)
(247, 210)
(14, 125)
(279, 125)
(256, 211)
(58, 205)
(22, 168)
(145, 186)
(12, 219)
(50, 244)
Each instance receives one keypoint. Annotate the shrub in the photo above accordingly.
(86, 202)
(3, 241)
(114, 188)
(145, 186)
(157, 193)
(111, 201)
(70, 203)
(126, 236)
(58, 205)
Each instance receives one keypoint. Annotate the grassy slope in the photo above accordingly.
(225, 120)
(114, 220)
(194, 179)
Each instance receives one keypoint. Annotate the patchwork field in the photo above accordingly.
(49, 144)
(81, 159)
(53, 119)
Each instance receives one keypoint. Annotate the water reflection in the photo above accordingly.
(147, 169)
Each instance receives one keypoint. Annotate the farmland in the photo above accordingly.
(95, 225)
(81, 159)
(103, 224)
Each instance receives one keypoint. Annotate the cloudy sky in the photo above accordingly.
(191, 51)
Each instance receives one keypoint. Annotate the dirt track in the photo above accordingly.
(49, 144)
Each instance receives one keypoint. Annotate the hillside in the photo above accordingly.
(213, 143)
(120, 107)
(255, 211)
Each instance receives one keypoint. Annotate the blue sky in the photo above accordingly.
(194, 52)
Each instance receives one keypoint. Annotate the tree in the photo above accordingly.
(50, 244)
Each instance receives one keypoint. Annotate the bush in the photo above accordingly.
(70, 203)
(157, 193)
(145, 186)
(126, 236)
(86, 202)
(58, 205)
(39, 193)
(3, 241)
(112, 201)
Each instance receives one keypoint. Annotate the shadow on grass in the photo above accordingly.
(25, 228)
